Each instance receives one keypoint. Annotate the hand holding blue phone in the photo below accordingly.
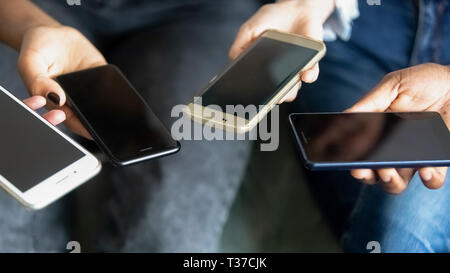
(419, 88)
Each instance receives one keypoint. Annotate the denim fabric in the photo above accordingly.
(175, 204)
(433, 33)
(415, 221)
(385, 38)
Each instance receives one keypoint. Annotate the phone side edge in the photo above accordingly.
(305, 160)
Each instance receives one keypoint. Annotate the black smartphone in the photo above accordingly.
(116, 116)
(334, 141)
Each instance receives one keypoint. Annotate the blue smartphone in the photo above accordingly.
(343, 141)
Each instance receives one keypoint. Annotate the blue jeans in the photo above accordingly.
(385, 38)
(180, 203)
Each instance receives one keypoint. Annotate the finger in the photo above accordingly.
(55, 117)
(433, 178)
(393, 181)
(386, 175)
(53, 92)
(74, 124)
(244, 38)
(241, 42)
(35, 102)
(311, 75)
(366, 176)
(292, 94)
(35, 74)
(380, 98)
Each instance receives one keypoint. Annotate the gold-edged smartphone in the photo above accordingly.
(248, 88)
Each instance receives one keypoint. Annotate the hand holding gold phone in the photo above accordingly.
(248, 88)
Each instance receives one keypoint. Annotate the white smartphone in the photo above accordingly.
(38, 163)
(256, 81)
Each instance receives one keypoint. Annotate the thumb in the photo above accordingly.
(380, 98)
(35, 73)
(244, 38)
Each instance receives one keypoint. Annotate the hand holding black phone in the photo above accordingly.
(116, 116)
(342, 141)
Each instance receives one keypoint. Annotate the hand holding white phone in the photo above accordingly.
(38, 163)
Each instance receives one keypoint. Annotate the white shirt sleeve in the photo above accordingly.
(339, 24)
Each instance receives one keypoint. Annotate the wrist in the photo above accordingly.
(31, 25)
(316, 9)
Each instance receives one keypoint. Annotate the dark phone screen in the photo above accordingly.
(120, 118)
(373, 137)
(30, 151)
(259, 74)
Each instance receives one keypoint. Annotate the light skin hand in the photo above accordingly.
(46, 49)
(55, 117)
(419, 88)
(50, 51)
(302, 17)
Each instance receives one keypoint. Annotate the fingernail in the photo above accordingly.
(386, 179)
(309, 77)
(427, 176)
(53, 97)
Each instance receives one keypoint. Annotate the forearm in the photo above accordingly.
(16, 17)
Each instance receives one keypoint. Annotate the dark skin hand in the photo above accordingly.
(419, 88)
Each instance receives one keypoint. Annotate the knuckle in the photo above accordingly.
(70, 30)
(245, 28)
(267, 7)
(392, 75)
